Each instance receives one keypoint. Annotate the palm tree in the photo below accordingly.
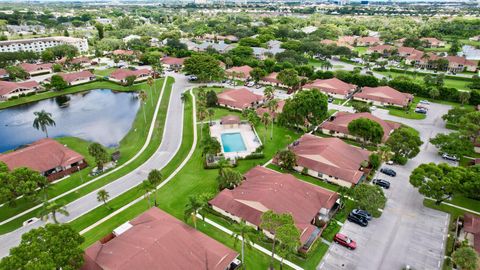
(102, 196)
(194, 204)
(265, 120)
(385, 153)
(211, 113)
(147, 187)
(150, 83)
(155, 178)
(272, 106)
(201, 114)
(244, 231)
(268, 93)
(42, 120)
(143, 97)
(53, 208)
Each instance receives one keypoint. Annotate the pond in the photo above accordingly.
(102, 115)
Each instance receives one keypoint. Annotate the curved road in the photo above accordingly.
(171, 141)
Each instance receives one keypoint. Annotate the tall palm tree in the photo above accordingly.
(143, 97)
(53, 208)
(272, 106)
(242, 230)
(155, 178)
(102, 196)
(201, 114)
(42, 120)
(211, 113)
(147, 187)
(268, 92)
(150, 83)
(194, 204)
(265, 120)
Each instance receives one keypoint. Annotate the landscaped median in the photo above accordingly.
(129, 146)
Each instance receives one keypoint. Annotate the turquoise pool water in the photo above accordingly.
(233, 142)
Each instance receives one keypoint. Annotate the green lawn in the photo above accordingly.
(462, 201)
(129, 146)
(460, 83)
(306, 178)
(103, 72)
(360, 50)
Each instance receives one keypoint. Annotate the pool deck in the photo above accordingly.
(249, 136)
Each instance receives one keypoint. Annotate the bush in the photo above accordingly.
(399, 159)
(254, 155)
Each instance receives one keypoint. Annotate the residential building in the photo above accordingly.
(241, 73)
(239, 99)
(26, 29)
(41, 44)
(82, 61)
(11, 89)
(123, 53)
(120, 75)
(431, 42)
(264, 189)
(80, 77)
(130, 37)
(220, 47)
(49, 157)
(470, 53)
(383, 96)
(471, 227)
(459, 64)
(349, 40)
(330, 159)
(3, 74)
(368, 41)
(332, 87)
(37, 69)
(337, 125)
(382, 49)
(408, 51)
(273, 48)
(309, 29)
(215, 38)
(156, 240)
(173, 62)
(271, 79)
(260, 111)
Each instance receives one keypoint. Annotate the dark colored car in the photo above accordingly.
(421, 110)
(345, 241)
(358, 220)
(382, 183)
(362, 213)
(388, 172)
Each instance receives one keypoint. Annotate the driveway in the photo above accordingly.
(169, 146)
(407, 232)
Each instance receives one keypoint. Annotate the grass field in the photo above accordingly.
(459, 84)
(103, 72)
(129, 146)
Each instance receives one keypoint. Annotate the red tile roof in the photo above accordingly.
(242, 71)
(8, 87)
(460, 61)
(78, 60)
(342, 119)
(260, 111)
(347, 39)
(121, 74)
(76, 76)
(330, 156)
(35, 67)
(3, 72)
(123, 52)
(408, 51)
(333, 85)
(380, 48)
(471, 224)
(157, 240)
(368, 40)
(230, 120)
(431, 40)
(264, 189)
(271, 78)
(167, 60)
(238, 98)
(384, 94)
(41, 156)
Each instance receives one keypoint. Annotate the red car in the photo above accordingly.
(344, 241)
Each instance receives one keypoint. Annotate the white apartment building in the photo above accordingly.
(40, 44)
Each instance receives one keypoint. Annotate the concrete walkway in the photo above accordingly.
(171, 141)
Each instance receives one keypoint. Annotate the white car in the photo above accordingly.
(450, 157)
(373, 108)
(390, 162)
(426, 102)
(30, 221)
(250, 84)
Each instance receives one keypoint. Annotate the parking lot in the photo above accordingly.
(407, 233)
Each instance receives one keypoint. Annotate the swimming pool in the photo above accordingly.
(233, 142)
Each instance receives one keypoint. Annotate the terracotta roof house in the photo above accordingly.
(36, 69)
(422, 60)
(399, 42)
(80, 77)
(230, 120)
(123, 52)
(407, 51)
(383, 96)
(459, 64)
(350, 40)
(156, 240)
(432, 42)
(382, 49)
(239, 99)
(83, 61)
(338, 125)
(332, 87)
(271, 79)
(242, 72)
(330, 159)
(260, 111)
(212, 37)
(264, 189)
(11, 89)
(3, 74)
(368, 41)
(173, 62)
(52, 159)
(471, 226)
(120, 75)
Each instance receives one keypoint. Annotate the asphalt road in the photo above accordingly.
(407, 233)
(171, 141)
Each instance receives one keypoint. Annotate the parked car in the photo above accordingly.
(390, 162)
(426, 102)
(345, 241)
(362, 213)
(250, 84)
(30, 221)
(450, 157)
(330, 100)
(388, 172)
(258, 86)
(357, 220)
(192, 78)
(381, 183)
(421, 110)
(373, 108)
